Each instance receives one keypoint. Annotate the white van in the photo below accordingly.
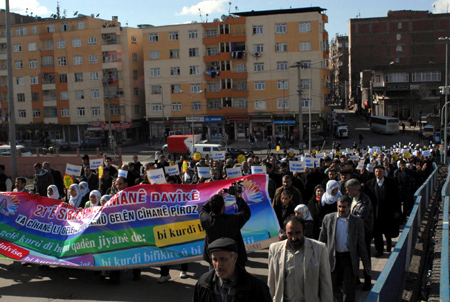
(208, 149)
(5, 150)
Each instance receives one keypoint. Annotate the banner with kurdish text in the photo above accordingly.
(146, 225)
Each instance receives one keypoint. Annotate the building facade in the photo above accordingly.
(397, 63)
(339, 68)
(237, 75)
(66, 71)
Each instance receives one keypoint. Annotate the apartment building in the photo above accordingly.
(237, 75)
(66, 71)
(339, 67)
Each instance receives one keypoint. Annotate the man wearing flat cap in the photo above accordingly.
(228, 281)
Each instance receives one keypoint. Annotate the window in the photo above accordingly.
(17, 47)
(64, 95)
(226, 83)
(34, 30)
(193, 52)
(65, 112)
(50, 28)
(224, 29)
(282, 103)
(93, 59)
(79, 94)
(283, 84)
(19, 81)
(399, 37)
(61, 44)
(399, 48)
(240, 103)
(32, 46)
(174, 53)
(306, 103)
(78, 77)
(93, 76)
(154, 55)
(193, 34)
(260, 104)
(134, 57)
(305, 84)
(258, 67)
(35, 96)
(153, 37)
(400, 25)
(80, 25)
(77, 60)
(432, 76)
(92, 41)
(173, 35)
(21, 31)
(321, 27)
(306, 64)
(195, 88)
(22, 113)
(156, 89)
(194, 69)
(136, 91)
(34, 80)
(401, 77)
(212, 51)
(214, 104)
(154, 72)
(133, 40)
(157, 107)
(281, 28)
(62, 61)
(282, 66)
(95, 93)
(242, 67)
(195, 106)
(258, 48)
(21, 97)
(176, 88)
(225, 47)
(211, 33)
(63, 78)
(95, 111)
(33, 63)
(76, 42)
(81, 111)
(175, 70)
(257, 30)
(280, 47)
(304, 27)
(304, 46)
(115, 110)
(260, 85)
(64, 26)
(18, 64)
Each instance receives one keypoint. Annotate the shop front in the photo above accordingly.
(282, 128)
(238, 127)
(214, 127)
(261, 127)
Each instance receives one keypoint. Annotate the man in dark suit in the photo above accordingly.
(343, 234)
(384, 195)
(57, 178)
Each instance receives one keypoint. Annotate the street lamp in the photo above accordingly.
(162, 109)
(446, 39)
(192, 118)
(284, 113)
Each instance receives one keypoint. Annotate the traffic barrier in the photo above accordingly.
(444, 289)
(389, 285)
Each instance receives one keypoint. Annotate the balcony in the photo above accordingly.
(226, 93)
(115, 30)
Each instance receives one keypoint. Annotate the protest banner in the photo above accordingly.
(146, 225)
(172, 170)
(259, 169)
(73, 170)
(309, 161)
(122, 173)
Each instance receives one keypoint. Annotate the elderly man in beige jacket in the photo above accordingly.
(299, 268)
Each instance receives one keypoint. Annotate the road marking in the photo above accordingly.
(362, 128)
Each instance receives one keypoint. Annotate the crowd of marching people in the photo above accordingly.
(330, 212)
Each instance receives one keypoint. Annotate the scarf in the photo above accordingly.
(327, 198)
(55, 194)
(303, 209)
(97, 195)
(85, 188)
(75, 201)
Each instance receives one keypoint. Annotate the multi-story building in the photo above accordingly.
(339, 67)
(397, 63)
(66, 71)
(233, 76)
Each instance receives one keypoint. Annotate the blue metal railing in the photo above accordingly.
(389, 285)
(444, 289)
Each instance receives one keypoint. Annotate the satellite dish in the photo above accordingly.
(76, 13)
(97, 15)
(92, 16)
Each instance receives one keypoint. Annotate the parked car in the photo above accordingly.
(234, 152)
(93, 143)
(428, 131)
(6, 150)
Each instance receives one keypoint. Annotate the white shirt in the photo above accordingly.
(342, 234)
(380, 182)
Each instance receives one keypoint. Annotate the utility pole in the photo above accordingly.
(446, 39)
(110, 137)
(298, 65)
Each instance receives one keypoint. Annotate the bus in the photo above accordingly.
(384, 124)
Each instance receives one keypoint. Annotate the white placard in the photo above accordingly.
(354, 157)
(370, 151)
(317, 162)
(309, 162)
(369, 168)
(297, 166)
(156, 176)
(219, 155)
(426, 153)
(360, 164)
(234, 172)
(172, 170)
(347, 150)
(203, 172)
(73, 170)
(404, 151)
(122, 173)
(95, 163)
(259, 170)
(320, 155)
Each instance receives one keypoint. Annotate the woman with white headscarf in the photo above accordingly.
(303, 211)
(104, 199)
(330, 197)
(94, 199)
(75, 195)
(52, 192)
(84, 190)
